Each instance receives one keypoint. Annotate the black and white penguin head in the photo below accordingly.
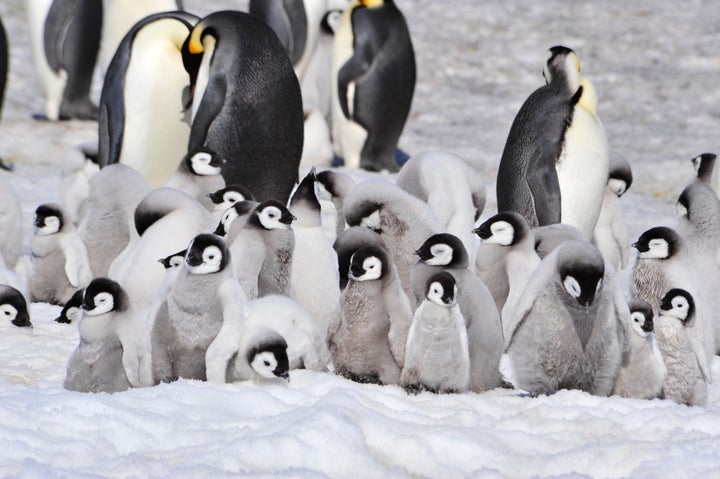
(72, 310)
(226, 197)
(641, 317)
(442, 290)
(13, 307)
(49, 219)
(703, 166)
(203, 162)
(505, 229)
(698, 204)
(174, 260)
(334, 184)
(443, 249)
(331, 21)
(206, 254)
(563, 65)
(269, 358)
(368, 264)
(679, 304)
(272, 215)
(581, 268)
(658, 243)
(241, 208)
(102, 296)
(620, 176)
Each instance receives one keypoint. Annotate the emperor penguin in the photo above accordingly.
(445, 252)
(226, 197)
(199, 174)
(246, 106)
(14, 307)
(549, 237)
(72, 310)
(335, 187)
(686, 381)
(142, 120)
(59, 264)
(96, 365)
(314, 261)
(65, 37)
(665, 262)
(611, 235)
(367, 344)
(436, 353)
(349, 241)
(374, 67)
(401, 219)
(506, 259)
(643, 370)
(108, 225)
(4, 62)
(11, 224)
(704, 165)
(451, 187)
(571, 326)
(554, 167)
(204, 293)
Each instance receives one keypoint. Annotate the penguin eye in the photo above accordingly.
(266, 362)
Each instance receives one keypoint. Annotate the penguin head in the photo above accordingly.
(272, 215)
(206, 254)
(658, 243)
(703, 165)
(581, 268)
(441, 289)
(269, 358)
(226, 197)
(72, 309)
(336, 184)
(203, 162)
(641, 317)
(505, 229)
(331, 21)
(49, 219)
(443, 249)
(13, 307)
(679, 304)
(563, 67)
(698, 204)
(620, 176)
(102, 296)
(368, 263)
(241, 208)
(174, 260)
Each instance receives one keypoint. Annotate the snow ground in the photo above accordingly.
(656, 68)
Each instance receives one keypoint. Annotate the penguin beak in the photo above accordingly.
(220, 230)
(218, 162)
(483, 232)
(641, 248)
(39, 222)
(88, 304)
(284, 374)
(216, 199)
(193, 259)
(287, 218)
(22, 321)
(356, 271)
(648, 326)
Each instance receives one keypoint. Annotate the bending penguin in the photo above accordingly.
(142, 120)
(246, 105)
(374, 64)
(554, 167)
(14, 307)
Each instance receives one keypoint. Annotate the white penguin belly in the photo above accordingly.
(51, 84)
(583, 171)
(156, 135)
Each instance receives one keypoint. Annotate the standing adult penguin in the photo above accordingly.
(555, 164)
(4, 57)
(246, 105)
(374, 63)
(66, 38)
(142, 123)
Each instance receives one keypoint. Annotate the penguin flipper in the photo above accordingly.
(58, 23)
(212, 102)
(400, 315)
(77, 265)
(622, 314)
(111, 121)
(542, 180)
(694, 336)
(355, 67)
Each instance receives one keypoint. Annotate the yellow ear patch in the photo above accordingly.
(195, 44)
(373, 3)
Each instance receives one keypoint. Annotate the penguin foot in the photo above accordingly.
(81, 110)
(40, 117)
(414, 388)
(62, 320)
(6, 166)
(369, 378)
(337, 162)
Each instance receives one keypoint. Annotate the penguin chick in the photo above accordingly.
(685, 382)
(72, 311)
(436, 352)
(13, 307)
(704, 165)
(226, 197)
(335, 186)
(261, 355)
(642, 372)
(349, 241)
(611, 236)
(570, 328)
(96, 365)
(59, 264)
(11, 224)
(198, 174)
(368, 343)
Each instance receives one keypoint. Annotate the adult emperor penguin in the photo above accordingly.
(96, 365)
(704, 165)
(436, 352)
(555, 164)
(4, 62)
(686, 381)
(610, 235)
(199, 174)
(374, 64)
(571, 326)
(65, 37)
(59, 264)
(204, 293)
(451, 187)
(11, 224)
(13, 307)
(506, 259)
(643, 370)
(246, 105)
(367, 344)
(445, 252)
(142, 120)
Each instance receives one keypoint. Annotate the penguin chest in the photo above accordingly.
(438, 340)
(195, 324)
(582, 170)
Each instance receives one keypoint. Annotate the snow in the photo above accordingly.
(656, 68)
